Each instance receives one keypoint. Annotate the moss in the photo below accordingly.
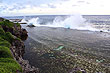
(5, 44)
(2, 32)
(8, 65)
(7, 23)
(18, 39)
(5, 52)
(18, 25)
(1, 39)
(7, 62)
(6, 36)
(9, 37)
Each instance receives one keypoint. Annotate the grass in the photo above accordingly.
(9, 65)
(9, 24)
(5, 52)
(4, 43)
(6, 35)
(7, 62)
(2, 32)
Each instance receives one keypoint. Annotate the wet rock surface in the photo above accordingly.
(83, 51)
(18, 49)
(31, 25)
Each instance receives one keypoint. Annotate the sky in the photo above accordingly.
(54, 7)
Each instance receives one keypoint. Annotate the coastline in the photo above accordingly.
(66, 60)
(13, 35)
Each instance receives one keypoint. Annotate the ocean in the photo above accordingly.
(85, 40)
(80, 22)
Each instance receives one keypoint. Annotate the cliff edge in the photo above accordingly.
(12, 48)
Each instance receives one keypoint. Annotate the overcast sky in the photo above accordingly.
(26, 7)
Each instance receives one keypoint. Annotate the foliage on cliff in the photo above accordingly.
(7, 62)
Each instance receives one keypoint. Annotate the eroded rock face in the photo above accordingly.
(16, 31)
(18, 50)
(24, 34)
(17, 45)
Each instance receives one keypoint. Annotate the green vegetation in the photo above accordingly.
(9, 37)
(8, 23)
(6, 36)
(5, 52)
(7, 62)
(5, 43)
(2, 32)
(8, 65)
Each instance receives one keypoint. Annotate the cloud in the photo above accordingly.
(64, 0)
(51, 6)
(88, 3)
(74, 5)
(81, 1)
(54, 7)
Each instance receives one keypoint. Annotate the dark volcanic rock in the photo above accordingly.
(16, 31)
(31, 25)
(18, 50)
(24, 34)
(1, 19)
(17, 45)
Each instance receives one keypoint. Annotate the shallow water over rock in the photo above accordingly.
(86, 45)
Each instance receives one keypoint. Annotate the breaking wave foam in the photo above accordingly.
(71, 22)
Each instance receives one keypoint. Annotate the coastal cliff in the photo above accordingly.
(12, 48)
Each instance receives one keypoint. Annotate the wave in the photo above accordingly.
(71, 22)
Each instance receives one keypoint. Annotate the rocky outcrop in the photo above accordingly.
(16, 31)
(18, 50)
(1, 19)
(31, 25)
(17, 45)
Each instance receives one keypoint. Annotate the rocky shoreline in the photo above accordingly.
(81, 50)
(18, 47)
(18, 51)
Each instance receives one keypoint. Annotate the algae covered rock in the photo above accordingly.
(14, 28)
